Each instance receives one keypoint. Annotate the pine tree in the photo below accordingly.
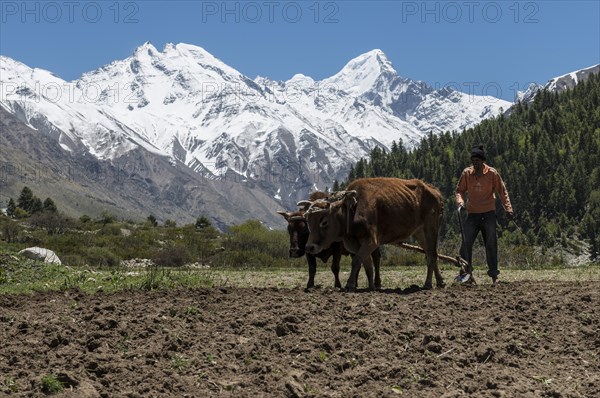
(25, 200)
(49, 206)
(336, 186)
(11, 210)
(202, 223)
(152, 221)
(37, 205)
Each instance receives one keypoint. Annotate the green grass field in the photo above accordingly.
(18, 276)
(248, 255)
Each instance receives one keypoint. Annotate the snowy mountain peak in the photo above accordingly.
(301, 80)
(557, 84)
(146, 49)
(185, 104)
(569, 80)
(175, 58)
(529, 93)
(360, 74)
(192, 51)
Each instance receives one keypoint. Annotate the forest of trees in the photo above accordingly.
(547, 152)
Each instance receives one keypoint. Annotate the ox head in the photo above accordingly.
(328, 220)
(298, 231)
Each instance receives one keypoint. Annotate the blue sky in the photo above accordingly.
(490, 47)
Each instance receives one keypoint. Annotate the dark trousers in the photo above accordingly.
(486, 223)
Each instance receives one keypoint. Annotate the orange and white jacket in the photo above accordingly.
(481, 190)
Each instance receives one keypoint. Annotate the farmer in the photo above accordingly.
(481, 182)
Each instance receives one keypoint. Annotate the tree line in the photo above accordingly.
(28, 204)
(548, 153)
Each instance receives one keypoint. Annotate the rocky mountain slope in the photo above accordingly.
(557, 84)
(189, 120)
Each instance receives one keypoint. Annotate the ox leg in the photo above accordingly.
(351, 283)
(429, 244)
(312, 270)
(376, 256)
(357, 272)
(335, 266)
(368, 264)
(362, 257)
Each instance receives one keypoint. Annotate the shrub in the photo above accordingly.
(244, 258)
(172, 256)
(110, 230)
(151, 221)
(9, 230)
(52, 222)
(201, 244)
(72, 260)
(170, 224)
(107, 218)
(253, 236)
(101, 257)
(394, 256)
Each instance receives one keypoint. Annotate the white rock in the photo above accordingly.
(39, 253)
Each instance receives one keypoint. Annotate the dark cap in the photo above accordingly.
(477, 152)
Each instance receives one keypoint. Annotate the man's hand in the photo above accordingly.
(510, 216)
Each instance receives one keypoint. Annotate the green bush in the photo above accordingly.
(72, 260)
(101, 257)
(246, 259)
(9, 230)
(252, 235)
(52, 222)
(172, 256)
(409, 260)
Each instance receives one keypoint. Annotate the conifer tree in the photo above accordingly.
(50, 206)
(37, 205)
(25, 200)
(202, 222)
(11, 210)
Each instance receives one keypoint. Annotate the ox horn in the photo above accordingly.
(304, 203)
(315, 209)
(296, 218)
(283, 213)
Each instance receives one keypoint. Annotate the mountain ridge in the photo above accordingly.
(287, 138)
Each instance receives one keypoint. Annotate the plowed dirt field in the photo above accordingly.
(517, 339)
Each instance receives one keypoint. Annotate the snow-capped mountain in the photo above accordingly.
(557, 84)
(183, 103)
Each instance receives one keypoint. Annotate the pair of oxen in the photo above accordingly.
(371, 212)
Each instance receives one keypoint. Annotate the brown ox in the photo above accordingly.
(377, 211)
(298, 231)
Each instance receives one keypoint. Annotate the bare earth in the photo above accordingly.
(518, 339)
